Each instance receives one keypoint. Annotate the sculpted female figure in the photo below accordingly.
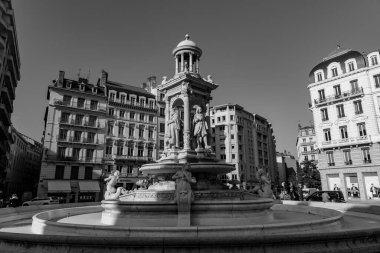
(264, 190)
(200, 128)
(174, 127)
(183, 178)
(112, 192)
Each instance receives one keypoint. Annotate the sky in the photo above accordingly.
(259, 52)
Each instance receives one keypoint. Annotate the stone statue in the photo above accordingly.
(183, 193)
(200, 128)
(112, 192)
(264, 190)
(174, 127)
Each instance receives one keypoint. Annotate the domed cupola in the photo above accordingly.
(186, 56)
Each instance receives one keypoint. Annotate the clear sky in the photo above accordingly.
(259, 52)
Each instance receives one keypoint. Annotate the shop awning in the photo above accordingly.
(89, 186)
(58, 186)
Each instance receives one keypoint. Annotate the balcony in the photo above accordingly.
(366, 161)
(79, 123)
(339, 98)
(83, 106)
(108, 157)
(71, 139)
(309, 143)
(135, 104)
(347, 141)
(309, 152)
(133, 158)
(331, 164)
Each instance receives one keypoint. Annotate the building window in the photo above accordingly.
(347, 157)
(233, 156)
(74, 172)
(150, 133)
(366, 155)
(330, 157)
(132, 115)
(133, 100)
(213, 121)
(343, 132)
(306, 158)
(112, 96)
(66, 100)
(76, 152)
(358, 107)
(111, 111)
(232, 136)
(94, 105)
(162, 127)
(141, 132)
(340, 110)
(354, 86)
(351, 66)
(110, 128)
(374, 60)
(377, 81)
(80, 103)
(223, 118)
(77, 136)
(162, 112)
(129, 169)
(79, 119)
(122, 99)
(119, 150)
(334, 71)
(151, 104)
(321, 94)
(109, 150)
(362, 130)
(325, 115)
(223, 157)
(142, 116)
(121, 130)
(140, 151)
(88, 173)
(221, 128)
(130, 151)
(327, 134)
(218, 119)
(304, 140)
(319, 77)
(131, 130)
(312, 157)
(122, 113)
(62, 134)
(92, 120)
(89, 154)
(65, 117)
(231, 117)
(59, 171)
(162, 144)
(337, 91)
(234, 177)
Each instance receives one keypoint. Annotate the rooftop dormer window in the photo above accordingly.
(318, 75)
(334, 71)
(112, 96)
(374, 60)
(351, 66)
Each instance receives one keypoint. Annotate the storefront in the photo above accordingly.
(60, 189)
(88, 191)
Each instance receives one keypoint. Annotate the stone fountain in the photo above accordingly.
(188, 170)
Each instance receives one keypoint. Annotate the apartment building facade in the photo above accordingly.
(75, 123)
(9, 76)
(244, 139)
(306, 144)
(345, 98)
(132, 132)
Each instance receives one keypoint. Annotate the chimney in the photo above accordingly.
(103, 78)
(153, 82)
(144, 86)
(61, 78)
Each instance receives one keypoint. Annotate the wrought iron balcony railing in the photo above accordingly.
(336, 98)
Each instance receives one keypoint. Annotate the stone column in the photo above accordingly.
(191, 62)
(186, 121)
(197, 65)
(176, 64)
(167, 115)
(182, 63)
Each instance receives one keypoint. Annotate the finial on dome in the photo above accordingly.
(187, 37)
(338, 45)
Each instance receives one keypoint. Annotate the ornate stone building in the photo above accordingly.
(345, 101)
(132, 131)
(244, 139)
(9, 76)
(75, 123)
(306, 140)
